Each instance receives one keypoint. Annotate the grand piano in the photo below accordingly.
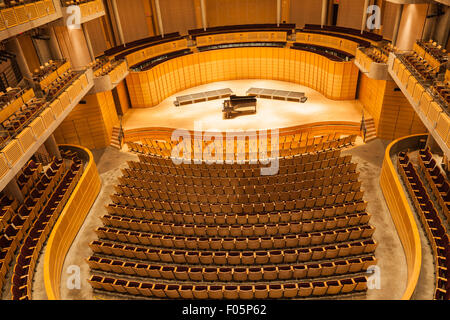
(239, 105)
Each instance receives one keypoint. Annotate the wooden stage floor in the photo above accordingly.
(270, 113)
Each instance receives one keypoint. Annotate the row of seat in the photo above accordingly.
(433, 225)
(273, 291)
(327, 173)
(236, 243)
(267, 207)
(231, 274)
(422, 67)
(436, 179)
(181, 256)
(283, 161)
(28, 176)
(23, 217)
(249, 199)
(242, 218)
(241, 172)
(236, 230)
(16, 122)
(286, 149)
(29, 252)
(131, 186)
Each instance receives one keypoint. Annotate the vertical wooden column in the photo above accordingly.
(278, 12)
(13, 45)
(149, 17)
(12, 189)
(54, 45)
(364, 17)
(198, 14)
(118, 22)
(398, 19)
(285, 10)
(203, 7)
(52, 147)
(88, 42)
(158, 16)
(323, 20)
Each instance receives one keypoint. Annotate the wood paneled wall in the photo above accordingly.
(305, 11)
(133, 19)
(393, 115)
(411, 26)
(220, 13)
(89, 125)
(177, 15)
(122, 95)
(350, 13)
(389, 13)
(29, 51)
(336, 80)
(97, 34)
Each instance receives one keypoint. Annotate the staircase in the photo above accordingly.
(371, 133)
(115, 142)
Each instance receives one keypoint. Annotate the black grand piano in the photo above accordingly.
(238, 106)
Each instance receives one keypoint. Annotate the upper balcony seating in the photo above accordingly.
(368, 35)
(426, 71)
(436, 179)
(437, 235)
(242, 28)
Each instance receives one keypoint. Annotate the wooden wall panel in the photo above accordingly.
(336, 80)
(390, 10)
(350, 13)
(73, 46)
(133, 19)
(177, 15)
(90, 124)
(219, 12)
(392, 113)
(97, 35)
(305, 11)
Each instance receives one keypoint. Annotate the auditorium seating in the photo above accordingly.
(288, 145)
(24, 228)
(429, 215)
(224, 231)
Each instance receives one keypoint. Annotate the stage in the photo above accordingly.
(270, 113)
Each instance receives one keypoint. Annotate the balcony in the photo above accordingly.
(424, 98)
(20, 147)
(108, 74)
(21, 18)
(89, 10)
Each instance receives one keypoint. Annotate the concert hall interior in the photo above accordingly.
(224, 150)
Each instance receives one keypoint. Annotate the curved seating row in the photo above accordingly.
(241, 218)
(347, 247)
(29, 252)
(15, 228)
(312, 238)
(436, 179)
(273, 291)
(231, 274)
(274, 195)
(433, 225)
(283, 149)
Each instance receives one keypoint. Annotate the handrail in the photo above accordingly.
(402, 215)
(68, 225)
